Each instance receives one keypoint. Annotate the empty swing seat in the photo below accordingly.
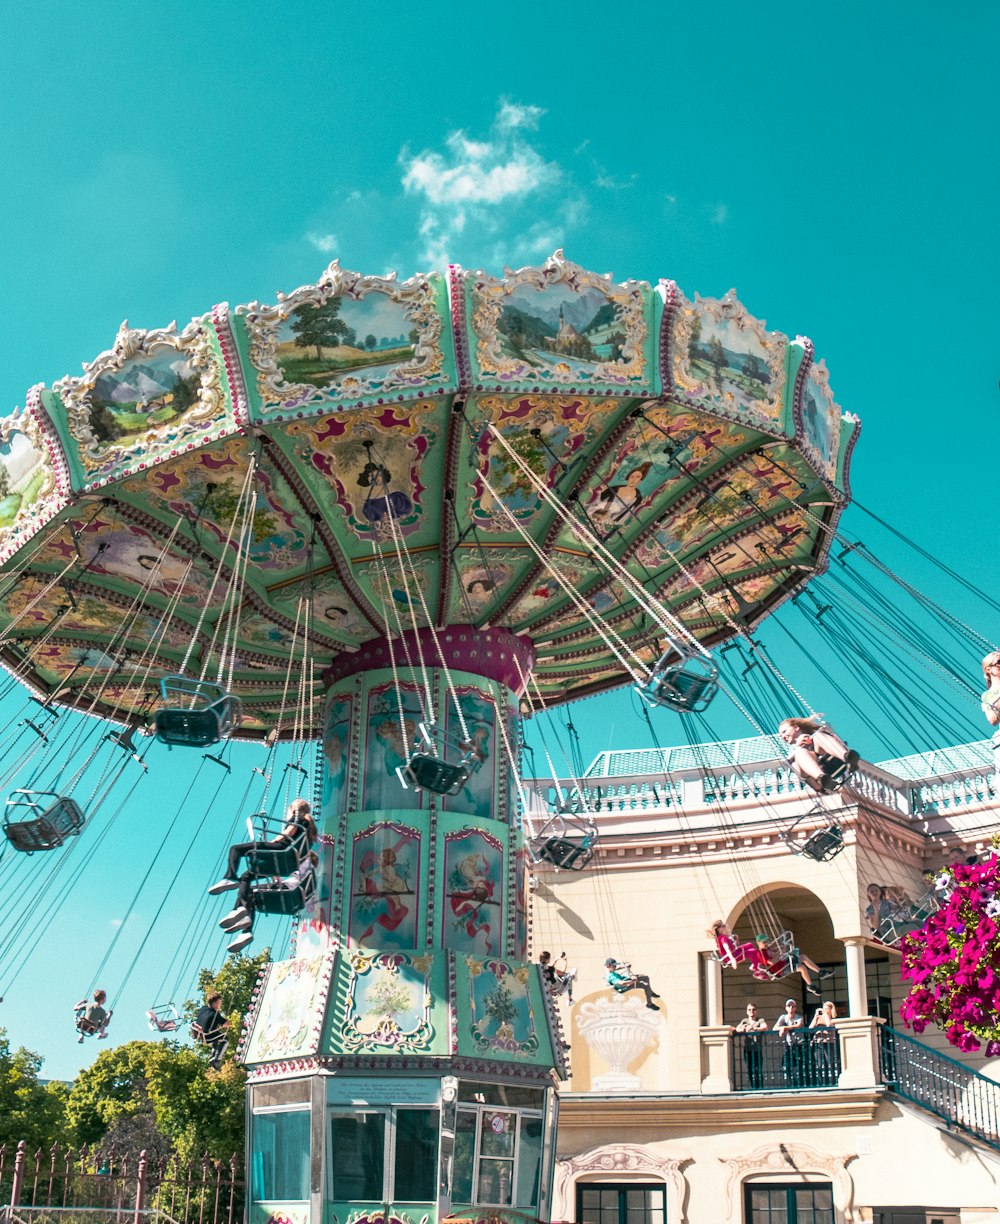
(821, 845)
(567, 854)
(565, 842)
(686, 683)
(41, 820)
(195, 713)
(427, 770)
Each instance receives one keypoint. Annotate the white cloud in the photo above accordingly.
(720, 214)
(476, 187)
(511, 115)
(323, 242)
(116, 922)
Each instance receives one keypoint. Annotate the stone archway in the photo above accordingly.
(619, 1161)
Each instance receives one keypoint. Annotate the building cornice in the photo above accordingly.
(729, 1111)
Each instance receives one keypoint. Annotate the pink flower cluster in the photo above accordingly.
(953, 961)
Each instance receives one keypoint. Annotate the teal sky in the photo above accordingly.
(837, 165)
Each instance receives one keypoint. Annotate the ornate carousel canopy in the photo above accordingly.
(550, 452)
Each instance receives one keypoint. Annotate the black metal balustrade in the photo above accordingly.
(941, 1085)
(781, 1061)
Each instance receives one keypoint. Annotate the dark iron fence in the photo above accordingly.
(779, 1061)
(69, 1184)
(941, 1085)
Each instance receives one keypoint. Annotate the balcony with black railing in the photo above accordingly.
(788, 1061)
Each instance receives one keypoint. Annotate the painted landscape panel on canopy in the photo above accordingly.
(821, 419)
(560, 325)
(31, 606)
(477, 727)
(472, 917)
(141, 402)
(394, 716)
(541, 437)
(373, 462)
(385, 887)
(723, 356)
(350, 338)
(27, 477)
(550, 587)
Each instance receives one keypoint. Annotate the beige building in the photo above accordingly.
(672, 1118)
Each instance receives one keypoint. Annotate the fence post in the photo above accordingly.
(18, 1182)
(140, 1187)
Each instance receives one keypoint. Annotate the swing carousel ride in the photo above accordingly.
(393, 517)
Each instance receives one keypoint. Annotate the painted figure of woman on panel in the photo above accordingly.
(473, 869)
(336, 738)
(390, 742)
(384, 894)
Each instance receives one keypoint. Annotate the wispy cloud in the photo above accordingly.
(323, 242)
(476, 186)
(720, 214)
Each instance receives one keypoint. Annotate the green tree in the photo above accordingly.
(29, 1110)
(159, 1094)
(370, 341)
(321, 327)
(4, 480)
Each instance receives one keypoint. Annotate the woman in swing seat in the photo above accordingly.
(818, 755)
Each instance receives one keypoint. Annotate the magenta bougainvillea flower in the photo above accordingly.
(953, 960)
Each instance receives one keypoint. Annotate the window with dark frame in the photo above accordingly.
(621, 1203)
(385, 1154)
(788, 1203)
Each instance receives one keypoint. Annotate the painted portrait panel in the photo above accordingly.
(393, 729)
(385, 882)
(473, 911)
(479, 713)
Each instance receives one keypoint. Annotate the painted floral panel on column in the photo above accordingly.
(502, 1017)
(389, 1004)
(336, 744)
(394, 717)
(385, 879)
(473, 911)
(479, 717)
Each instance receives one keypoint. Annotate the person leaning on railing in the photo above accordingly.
(752, 1026)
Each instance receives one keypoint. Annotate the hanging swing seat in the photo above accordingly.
(681, 681)
(822, 844)
(566, 843)
(195, 713)
(774, 959)
(429, 767)
(266, 859)
(163, 1018)
(40, 820)
(276, 899)
(893, 930)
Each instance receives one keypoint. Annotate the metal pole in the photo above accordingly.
(140, 1187)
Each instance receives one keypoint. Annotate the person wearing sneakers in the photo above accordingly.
(91, 1018)
(211, 1028)
(818, 755)
(240, 919)
(298, 822)
(621, 979)
(795, 960)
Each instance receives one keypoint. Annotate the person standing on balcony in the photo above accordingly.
(824, 1044)
(790, 1024)
(751, 1026)
(621, 979)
